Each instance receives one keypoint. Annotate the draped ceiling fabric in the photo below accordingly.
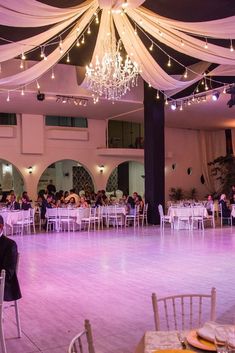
(169, 32)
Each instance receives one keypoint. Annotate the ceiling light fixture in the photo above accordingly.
(72, 100)
(215, 96)
(112, 76)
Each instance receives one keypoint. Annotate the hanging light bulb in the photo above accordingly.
(23, 57)
(151, 47)
(21, 64)
(8, 96)
(89, 30)
(158, 96)
(68, 58)
(52, 74)
(22, 91)
(173, 106)
(78, 43)
(181, 106)
(42, 53)
(83, 39)
(206, 44)
(197, 90)
(61, 46)
(166, 101)
(224, 90)
(136, 33)
(38, 86)
(181, 43)
(169, 62)
(150, 85)
(231, 45)
(186, 73)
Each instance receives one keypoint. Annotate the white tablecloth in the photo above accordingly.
(176, 212)
(154, 340)
(11, 217)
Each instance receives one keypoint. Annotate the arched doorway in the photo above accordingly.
(10, 179)
(127, 177)
(65, 175)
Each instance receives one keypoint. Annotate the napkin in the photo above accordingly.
(226, 332)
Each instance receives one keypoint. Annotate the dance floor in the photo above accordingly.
(108, 277)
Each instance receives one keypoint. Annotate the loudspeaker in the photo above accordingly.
(40, 96)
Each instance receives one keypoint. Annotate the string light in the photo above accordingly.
(231, 45)
(22, 91)
(206, 44)
(52, 74)
(151, 47)
(224, 89)
(8, 96)
(83, 39)
(38, 86)
(181, 43)
(23, 57)
(158, 96)
(136, 33)
(21, 64)
(42, 53)
(150, 85)
(89, 30)
(181, 106)
(68, 58)
(166, 101)
(61, 46)
(169, 62)
(186, 73)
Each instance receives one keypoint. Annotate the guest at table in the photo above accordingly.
(139, 202)
(8, 262)
(74, 195)
(72, 203)
(130, 205)
(12, 204)
(209, 204)
(224, 207)
(25, 201)
(83, 202)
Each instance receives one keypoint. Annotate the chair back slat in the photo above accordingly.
(182, 312)
(78, 342)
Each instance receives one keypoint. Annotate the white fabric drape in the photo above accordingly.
(117, 4)
(192, 46)
(9, 51)
(43, 66)
(223, 70)
(27, 13)
(222, 28)
(151, 71)
(212, 145)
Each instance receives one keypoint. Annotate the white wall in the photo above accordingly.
(182, 148)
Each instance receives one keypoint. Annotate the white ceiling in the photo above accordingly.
(203, 115)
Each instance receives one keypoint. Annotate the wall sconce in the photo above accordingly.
(101, 168)
(30, 170)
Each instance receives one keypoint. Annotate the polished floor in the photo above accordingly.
(108, 277)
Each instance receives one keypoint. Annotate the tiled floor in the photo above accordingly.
(108, 277)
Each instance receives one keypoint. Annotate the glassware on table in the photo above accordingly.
(221, 339)
(231, 339)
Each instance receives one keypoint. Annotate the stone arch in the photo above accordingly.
(67, 174)
(127, 176)
(10, 178)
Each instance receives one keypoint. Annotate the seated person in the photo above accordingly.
(226, 212)
(74, 195)
(12, 204)
(25, 201)
(209, 204)
(83, 202)
(130, 206)
(71, 203)
(8, 262)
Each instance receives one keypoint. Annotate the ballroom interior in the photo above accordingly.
(156, 131)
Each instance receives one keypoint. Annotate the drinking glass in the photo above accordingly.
(221, 339)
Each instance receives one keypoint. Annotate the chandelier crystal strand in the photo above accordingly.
(112, 76)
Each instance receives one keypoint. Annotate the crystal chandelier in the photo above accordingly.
(113, 76)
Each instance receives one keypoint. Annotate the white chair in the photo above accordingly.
(210, 218)
(222, 218)
(198, 217)
(144, 216)
(52, 218)
(133, 218)
(93, 218)
(164, 219)
(23, 223)
(182, 312)
(15, 304)
(114, 217)
(77, 343)
(32, 219)
(66, 219)
(2, 286)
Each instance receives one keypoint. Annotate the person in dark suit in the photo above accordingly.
(8, 262)
(12, 204)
